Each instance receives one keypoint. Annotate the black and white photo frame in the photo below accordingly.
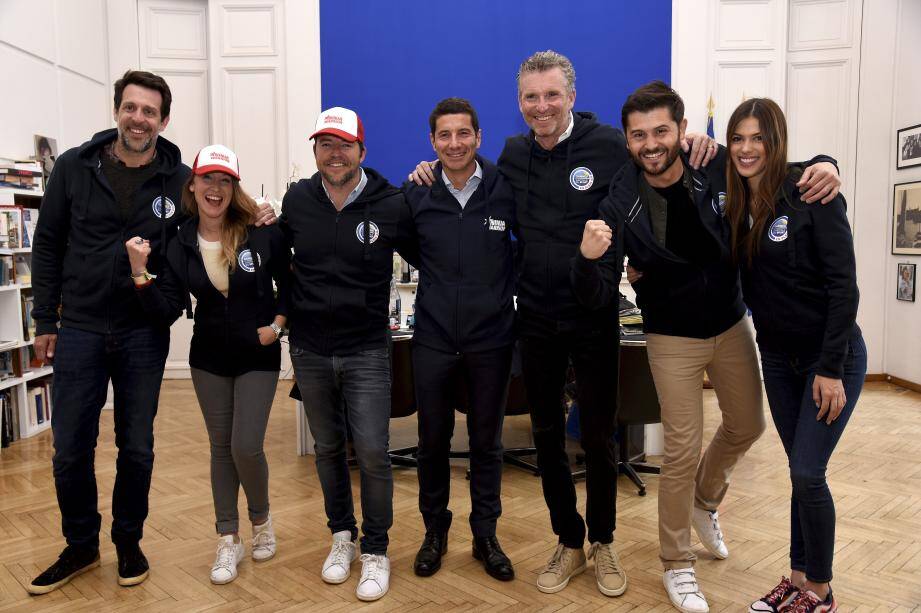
(906, 282)
(908, 147)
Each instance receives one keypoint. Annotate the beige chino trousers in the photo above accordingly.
(688, 480)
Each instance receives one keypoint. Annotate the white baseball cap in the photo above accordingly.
(340, 122)
(216, 158)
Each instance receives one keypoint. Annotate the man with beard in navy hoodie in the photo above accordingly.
(464, 330)
(344, 223)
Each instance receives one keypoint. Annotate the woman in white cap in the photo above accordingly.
(229, 265)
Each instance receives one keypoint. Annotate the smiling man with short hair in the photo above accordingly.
(464, 330)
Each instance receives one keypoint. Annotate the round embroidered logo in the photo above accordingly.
(778, 229)
(581, 178)
(360, 231)
(158, 208)
(719, 204)
(245, 260)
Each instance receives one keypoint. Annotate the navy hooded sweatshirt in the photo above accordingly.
(466, 274)
(225, 340)
(343, 263)
(556, 192)
(79, 260)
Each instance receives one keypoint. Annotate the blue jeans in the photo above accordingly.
(345, 394)
(84, 362)
(809, 445)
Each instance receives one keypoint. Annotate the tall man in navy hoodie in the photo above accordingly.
(123, 182)
(344, 223)
(464, 330)
(668, 219)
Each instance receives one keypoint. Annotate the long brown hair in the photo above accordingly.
(740, 200)
(241, 213)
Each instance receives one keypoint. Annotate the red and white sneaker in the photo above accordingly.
(777, 599)
(808, 602)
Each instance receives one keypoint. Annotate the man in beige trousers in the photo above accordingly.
(668, 218)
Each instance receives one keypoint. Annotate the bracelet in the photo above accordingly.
(144, 275)
(276, 329)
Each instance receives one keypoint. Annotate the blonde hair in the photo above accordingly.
(240, 214)
(548, 60)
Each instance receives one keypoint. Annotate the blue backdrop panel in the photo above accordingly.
(393, 61)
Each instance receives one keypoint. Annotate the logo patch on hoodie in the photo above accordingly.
(495, 224)
(778, 229)
(719, 204)
(360, 231)
(245, 260)
(581, 178)
(158, 208)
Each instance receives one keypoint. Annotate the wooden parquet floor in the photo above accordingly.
(875, 476)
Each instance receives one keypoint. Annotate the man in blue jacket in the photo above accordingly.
(124, 182)
(344, 224)
(464, 330)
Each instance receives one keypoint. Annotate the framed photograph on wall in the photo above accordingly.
(906, 286)
(906, 218)
(908, 147)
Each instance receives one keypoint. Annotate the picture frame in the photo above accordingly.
(905, 284)
(908, 147)
(906, 218)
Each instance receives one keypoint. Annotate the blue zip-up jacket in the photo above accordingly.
(466, 274)
(802, 284)
(79, 258)
(343, 264)
(225, 340)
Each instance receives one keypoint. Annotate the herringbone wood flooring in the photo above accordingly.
(875, 476)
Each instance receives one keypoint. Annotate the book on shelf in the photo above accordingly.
(22, 270)
(10, 227)
(7, 272)
(10, 431)
(39, 397)
(28, 324)
(29, 223)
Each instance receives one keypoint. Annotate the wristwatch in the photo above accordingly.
(144, 275)
(276, 329)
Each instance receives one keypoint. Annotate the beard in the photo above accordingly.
(671, 154)
(341, 182)
(126, 143)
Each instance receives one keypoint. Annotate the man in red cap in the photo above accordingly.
(344, 223)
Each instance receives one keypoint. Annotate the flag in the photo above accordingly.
(710, 106)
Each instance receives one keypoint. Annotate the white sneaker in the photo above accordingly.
(264, 541)
(683, 591)
(229, 555)
(707, 526)
(375, 577)
(338, 564)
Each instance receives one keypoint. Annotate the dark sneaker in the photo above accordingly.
(72, 561)
(132, 565)
(809, 602)
(777, 599)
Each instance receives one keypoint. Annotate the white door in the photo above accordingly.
(173, 41)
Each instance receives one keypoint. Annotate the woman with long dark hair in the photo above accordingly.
(799, 280)
(228, 264)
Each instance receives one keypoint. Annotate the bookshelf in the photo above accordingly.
(25, 386)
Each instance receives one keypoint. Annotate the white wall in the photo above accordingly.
(846, 73)
(55, 53)
(895, 26)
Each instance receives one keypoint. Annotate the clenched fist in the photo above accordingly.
(596, 238)
(138, 252)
